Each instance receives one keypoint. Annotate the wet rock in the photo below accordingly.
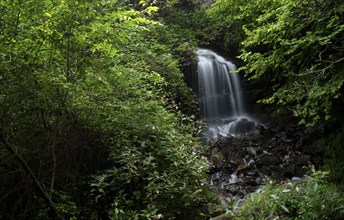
(310, 130)
(216, 158)
(289, 171)
(233, 179)
(301, 159)
(264, 130)
(244, 162)
(284, 137)
(233, 189)
(252, 151)
(258, 138)
(268, 160)
(280, 149)
(299, 142)
(242, 126)
(260, 179)
(266, 170)
(277, 172)
(306, 140)
(314, 149)
(241, 194)
(280, 172)
(291, 128)
(250, 180)
(302, 171)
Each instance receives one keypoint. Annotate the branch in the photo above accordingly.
(28, 169)
(336, 61)
(322, 70)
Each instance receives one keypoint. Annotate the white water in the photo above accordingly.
(220, 95)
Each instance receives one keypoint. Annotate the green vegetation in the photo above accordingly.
(297, 46)
(96, 121)
(91, 104)
(309, 198)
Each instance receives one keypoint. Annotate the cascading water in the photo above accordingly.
(220, 95)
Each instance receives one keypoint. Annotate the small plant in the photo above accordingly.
(311, 197)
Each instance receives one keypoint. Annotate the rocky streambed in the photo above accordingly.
(241, 163)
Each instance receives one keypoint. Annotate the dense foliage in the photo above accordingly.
(296, 45)
(89, 96)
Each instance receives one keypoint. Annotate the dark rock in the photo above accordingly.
(277, 172)
(285, 138)
(280, 149)
(252, 151)
(299, 142)
(250, 180)
(244, 162)
(307, 140)
(314, 149)
(267, 132)
(242, 126)
(289, 171)
(232, 188)
(301, 160)
(310, 130)
(253, 173)
(302, 171)
(241, 194)
(291, 128)
(268, 160)
(258, 138)
(260, 179)
(265, 170)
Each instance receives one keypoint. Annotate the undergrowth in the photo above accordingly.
(311, 197)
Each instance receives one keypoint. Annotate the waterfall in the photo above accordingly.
(220, 95)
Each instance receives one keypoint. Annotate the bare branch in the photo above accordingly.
(45, 195)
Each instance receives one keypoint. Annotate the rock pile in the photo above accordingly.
(242, 163)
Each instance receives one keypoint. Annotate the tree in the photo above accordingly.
(297, 45)
(83, 90)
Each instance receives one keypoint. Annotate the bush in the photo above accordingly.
(157, 170)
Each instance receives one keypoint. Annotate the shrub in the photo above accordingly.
(312, 197)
